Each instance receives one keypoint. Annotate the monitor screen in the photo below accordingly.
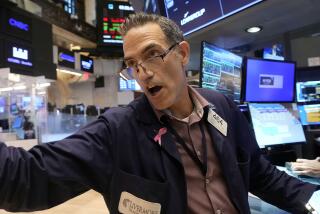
(220, 71)
(276, 123)
(111, 15)
(308, 91)
(17, 122)
(2, 104)
(310, 114)
(275, 52)
(128, 85)
(38, 102)
(194, 15)
(86, 64)
(14, 108)
(269, 80)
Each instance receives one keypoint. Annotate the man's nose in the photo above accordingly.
(144, 73)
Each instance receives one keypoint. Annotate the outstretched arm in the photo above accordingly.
(52, 173)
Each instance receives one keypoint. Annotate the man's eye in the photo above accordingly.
(152, 53)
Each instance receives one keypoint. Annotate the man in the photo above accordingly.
(173, 150)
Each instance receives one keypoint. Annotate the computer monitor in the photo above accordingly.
(111, 15)
(2, 104)
(17, 122)
(14, 108)
(268, 80)
(220, 70)
(38, 102)
(308, 91)
(310, 114)
(276, 124)
(128, 85)
(275, 52)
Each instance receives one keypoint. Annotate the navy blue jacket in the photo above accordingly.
(117, 153)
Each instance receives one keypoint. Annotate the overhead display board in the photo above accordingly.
(111, 15)
(18, 55)
(66, 58)
(18, 25)
(193, 15)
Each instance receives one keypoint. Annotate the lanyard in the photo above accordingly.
(192, 154)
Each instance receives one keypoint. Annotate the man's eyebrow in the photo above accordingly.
(147, 48)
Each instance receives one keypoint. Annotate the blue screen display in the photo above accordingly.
(269, 81)
(38, 102)
(17, 122)
(86, 64)
(128, 85)
(192, 15)
(308, 91)
(310, 114)
(276, 123)
(2, 104)
(275, 52)
(221, 71)
(14, 108)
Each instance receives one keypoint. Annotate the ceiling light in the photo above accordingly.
(254, 29)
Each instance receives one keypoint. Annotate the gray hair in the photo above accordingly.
(170, 29)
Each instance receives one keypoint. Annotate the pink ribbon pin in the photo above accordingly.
(161, 132)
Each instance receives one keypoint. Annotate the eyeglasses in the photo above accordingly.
(150, 62)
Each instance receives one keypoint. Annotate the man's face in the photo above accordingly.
(164, 83)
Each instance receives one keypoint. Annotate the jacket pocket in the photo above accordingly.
(243, 162)
(142, 191)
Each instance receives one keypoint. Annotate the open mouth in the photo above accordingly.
(154, 90)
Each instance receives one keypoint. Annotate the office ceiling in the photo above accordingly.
(275, 16)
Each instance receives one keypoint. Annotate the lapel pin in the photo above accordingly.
(161, 132)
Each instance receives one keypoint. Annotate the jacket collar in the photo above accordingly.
(146, 115)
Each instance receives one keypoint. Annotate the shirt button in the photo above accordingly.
(207, 180)
(198, 153)
(218, 212)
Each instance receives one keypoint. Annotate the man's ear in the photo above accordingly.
(184, 51)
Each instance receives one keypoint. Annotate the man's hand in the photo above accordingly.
(306, 167)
